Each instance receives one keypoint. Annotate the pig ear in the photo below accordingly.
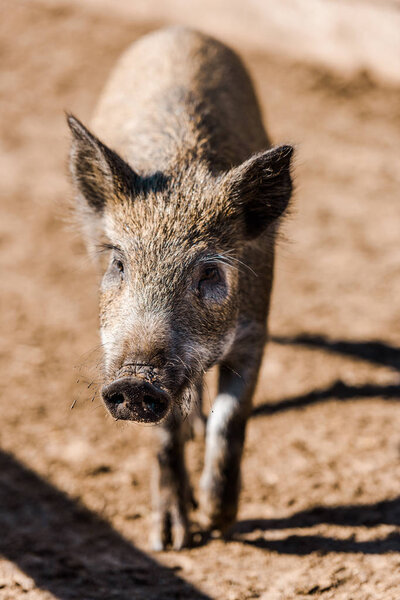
(261, 188)
(98, 173)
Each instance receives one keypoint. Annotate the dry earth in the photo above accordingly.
(320, 512)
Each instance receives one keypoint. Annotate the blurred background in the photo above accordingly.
(320, 512)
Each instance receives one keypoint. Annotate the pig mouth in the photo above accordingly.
(135, 399)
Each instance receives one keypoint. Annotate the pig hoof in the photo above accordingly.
(171, 530)
(219, 522)
(216, 515)
(156, 544)
(219, 502)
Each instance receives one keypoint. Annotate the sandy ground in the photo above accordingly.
(320, 511)
(342, 35)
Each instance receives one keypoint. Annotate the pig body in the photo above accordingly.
(185, 196)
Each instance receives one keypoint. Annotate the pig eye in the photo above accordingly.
(209, 277)
(120, 267)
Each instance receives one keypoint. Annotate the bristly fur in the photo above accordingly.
(184, 194)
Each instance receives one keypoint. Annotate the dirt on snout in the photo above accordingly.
(320, 509)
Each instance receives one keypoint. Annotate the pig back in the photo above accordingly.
(177, 97)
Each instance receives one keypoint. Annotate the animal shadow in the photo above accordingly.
(375, 352)
(386, 512)
(70, 551)
(367, 515)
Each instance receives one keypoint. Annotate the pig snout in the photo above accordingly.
(134, 399)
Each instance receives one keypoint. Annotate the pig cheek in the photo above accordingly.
(218, 318)
(109, 324)
(211, 331)
(222, 328)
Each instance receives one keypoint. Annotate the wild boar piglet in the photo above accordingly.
(180, 185)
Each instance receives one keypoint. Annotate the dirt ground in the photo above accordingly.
(320, 510)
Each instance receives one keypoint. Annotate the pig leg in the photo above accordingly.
(196, 418)
(171, 491)
(220, 481)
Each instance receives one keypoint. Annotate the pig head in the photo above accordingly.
(174, 245)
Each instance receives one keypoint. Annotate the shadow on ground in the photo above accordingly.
(386, 512)
(302, 545)
(378, 353)
(71, 552)
(365, 515)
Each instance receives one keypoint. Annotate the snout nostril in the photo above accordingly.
(156, 405)
(150, 402)
(133, 399)
(116, 399)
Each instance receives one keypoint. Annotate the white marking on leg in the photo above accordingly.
(224, 408)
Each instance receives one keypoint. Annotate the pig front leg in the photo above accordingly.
(196, 420)
(171, 491)
(220, 481)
